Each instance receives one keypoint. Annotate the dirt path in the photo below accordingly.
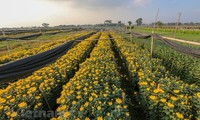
(180, 40)
(134, 107)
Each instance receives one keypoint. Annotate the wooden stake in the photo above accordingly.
(153, 31)
(130, 32)
(7, 47)
(158, 86)
(123, 98)
(45, 98)
(176, 27)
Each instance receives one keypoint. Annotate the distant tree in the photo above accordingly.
(159, 24)
(119, 22)
(108, 22)
(45, 24)
(139, 21)
(129, 23)
(186, 23)
(192, 23)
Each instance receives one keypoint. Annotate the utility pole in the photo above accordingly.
(176, 27)
(153, 31)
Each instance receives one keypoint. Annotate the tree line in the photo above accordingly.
(139, 22)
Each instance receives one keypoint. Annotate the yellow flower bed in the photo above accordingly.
(94, 92)
(164, 96)
(30, 93)
(29, 52)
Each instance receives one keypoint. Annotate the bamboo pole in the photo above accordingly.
(130, 32)
(43, 94)
(153, 31)
(176, 27)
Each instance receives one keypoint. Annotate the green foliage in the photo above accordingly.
(182, 65)
(129, 23)
(163, 96)
(159, 24)
(128, 27)
(139, 21)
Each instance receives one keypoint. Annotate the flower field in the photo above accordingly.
(94, 92)
(28, 52)
(161, 94)
(30, 90)
(86, 84)
(184, 66)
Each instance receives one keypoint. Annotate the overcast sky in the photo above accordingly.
(17, 13)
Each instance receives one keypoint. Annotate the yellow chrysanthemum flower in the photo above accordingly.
(86, 104)
(12, 100)
(118, 101)
(13, 114)
(156, 91)
(125, 106)
(198, 94)
(63, 107)
(81, 108)
(37, 97)
(22, 104)
(8, 113)
(163, 100)
(127, 114)
(152, 97)
(176, 91)
(87, 118)
(110, 103)
(90, 99)
(99, 108)
(100, 118)
(174, 98)
(73, 102)
(66, 114)
(179, 115)
(170, 105)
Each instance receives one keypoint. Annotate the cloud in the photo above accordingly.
(99, 10)
(100, 4)
(140, 2)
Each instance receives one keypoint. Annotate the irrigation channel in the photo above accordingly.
(134, 108)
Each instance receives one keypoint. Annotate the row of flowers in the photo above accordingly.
(94, 92)
(179, 64)
(162, 95)
(40, 90)
(28, 52)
